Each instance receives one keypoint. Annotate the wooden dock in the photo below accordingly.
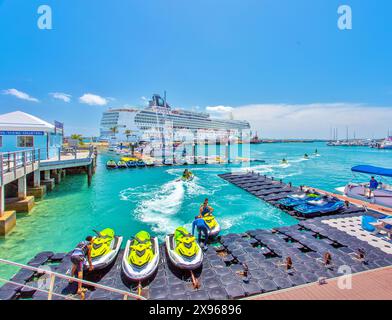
(369, 285)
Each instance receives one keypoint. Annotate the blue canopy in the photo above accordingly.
(373, 170)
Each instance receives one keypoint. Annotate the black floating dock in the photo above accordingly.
(262, 251)
(271, 191)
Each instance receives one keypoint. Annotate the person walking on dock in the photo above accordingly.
(79, 255)
(202, 227)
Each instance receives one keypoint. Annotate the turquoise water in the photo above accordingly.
(132, 199)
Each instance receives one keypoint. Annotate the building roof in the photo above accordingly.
(21, 121)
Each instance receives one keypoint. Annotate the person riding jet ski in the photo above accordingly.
(187, 175)
(183, 250)
(205, 208)
(206, 213)
(141, 256)
(104, 248)
(284, 161)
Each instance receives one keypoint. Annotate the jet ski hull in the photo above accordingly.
(135, 273)
(104, 261)
(180, 261)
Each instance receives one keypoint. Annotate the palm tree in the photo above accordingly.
(77, 137)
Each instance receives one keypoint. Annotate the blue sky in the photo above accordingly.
(247, 54)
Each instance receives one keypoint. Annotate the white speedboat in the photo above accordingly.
(360, 190)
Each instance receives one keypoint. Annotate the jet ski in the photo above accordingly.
(212, 224)
(296, 199)
(140, 164)
(190, 178)
(104, 249)
(121, 164)
(141, 257)
(149, 162)
(111, 164)
(131, 164)
(183, 250)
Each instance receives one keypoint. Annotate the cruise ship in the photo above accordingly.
(129, 124)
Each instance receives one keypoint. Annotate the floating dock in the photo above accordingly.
(271, 191)
(263, 252)
(237, 265)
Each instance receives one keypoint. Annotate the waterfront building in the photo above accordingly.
(21, 131)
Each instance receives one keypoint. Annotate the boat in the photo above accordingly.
(150, 119)
(121, 164)
(381, 196)
(104, 250)
(183, 250)
(297, 199)
(140, 164)
(131, 164)
(126, 159)
(318, 207)
(111, 164)
(386, 144)
(141, 257)
(213, 225)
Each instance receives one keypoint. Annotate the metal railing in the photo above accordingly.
(52, 277)
(74, 151)
(12, 161)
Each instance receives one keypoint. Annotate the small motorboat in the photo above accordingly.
(382, 195)
(122, 164)
(131, 164)
(141, 257)
(104, 249)
(213, 225)
(111, 164)
(140, 164)
(183, 250)
(149, 162)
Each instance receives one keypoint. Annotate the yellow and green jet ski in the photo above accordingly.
(212, 224)
(141, 257)
(104, 249)
(183, 250)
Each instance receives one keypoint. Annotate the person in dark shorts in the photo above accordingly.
(201, 227)
(373, 185)
(79, 255)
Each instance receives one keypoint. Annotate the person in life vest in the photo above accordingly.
(205, 208)
(79, 255)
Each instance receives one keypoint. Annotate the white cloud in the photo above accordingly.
(316, 120)
(220, 111)
(19, 94)
(93, 100)
(61, 96)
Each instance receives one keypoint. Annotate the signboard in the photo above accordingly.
(22, 133)
(58, 127)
